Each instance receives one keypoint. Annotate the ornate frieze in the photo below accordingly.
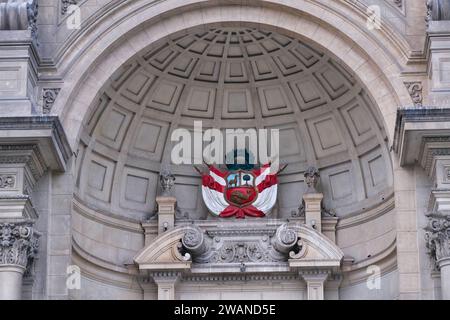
(7, 181)
(24, 154)
(19, 15)
(415, 91)
(49, 96)
(438, 237)
(227, 248)
(18, 244)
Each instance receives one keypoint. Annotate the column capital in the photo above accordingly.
(438, 238)
(18, 244)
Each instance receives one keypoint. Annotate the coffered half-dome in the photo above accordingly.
(232, 77)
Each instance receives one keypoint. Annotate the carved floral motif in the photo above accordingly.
(18, 244)
(438, 237)
(7, 181)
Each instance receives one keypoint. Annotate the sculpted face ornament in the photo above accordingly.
(167, 180)
(312, 176)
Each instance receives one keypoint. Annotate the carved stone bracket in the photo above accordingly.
(415, 91)
(49, 96)
(18, 244)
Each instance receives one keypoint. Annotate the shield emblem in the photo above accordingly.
(240, 188)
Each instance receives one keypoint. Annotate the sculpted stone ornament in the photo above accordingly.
(438, 237)
(415, 91)
(167, 180)
(227, 249)
(49, 97)
(18, 244)
(7, 181)
(312, 176)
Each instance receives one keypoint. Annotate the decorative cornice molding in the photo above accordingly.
(413, 125)
(13, 128)
(240, 277)
(18, 244)
(26, 154)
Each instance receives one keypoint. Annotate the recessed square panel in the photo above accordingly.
(200, 102)
(237, 104)
(99, 175)
(359, 121)
(165, 97)
(150, 138)
(307, 93)
(326, 136)
(274, 101)
(138, 86)
(138, 190)
(113, 126)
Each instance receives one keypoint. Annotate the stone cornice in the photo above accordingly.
(46, 132)
(416, 132)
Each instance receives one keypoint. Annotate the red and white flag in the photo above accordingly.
(240, 193)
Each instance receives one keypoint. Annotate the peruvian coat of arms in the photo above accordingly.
(240, 191)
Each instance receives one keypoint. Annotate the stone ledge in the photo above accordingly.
(414, 132)
(44, 131)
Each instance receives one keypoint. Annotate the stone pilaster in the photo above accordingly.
(438, 242)
(315, 282)
(312, 200)
(166, 282)
(166, 213)
(18, 247)
(29, 147)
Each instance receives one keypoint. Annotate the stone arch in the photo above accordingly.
(103, 53)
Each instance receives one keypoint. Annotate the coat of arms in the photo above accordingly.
(240, 191)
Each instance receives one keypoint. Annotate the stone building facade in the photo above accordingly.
(91, 91)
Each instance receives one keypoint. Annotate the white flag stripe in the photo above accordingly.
(266, 199)
(217, 178)
(215, 201)
(262, 176)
